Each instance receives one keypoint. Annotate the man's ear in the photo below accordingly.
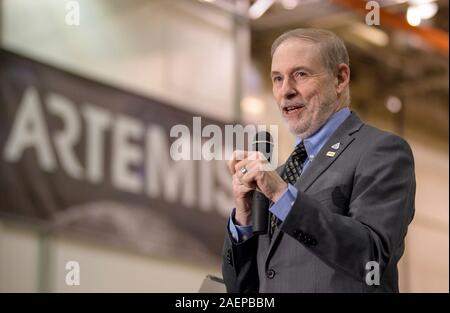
(342, 78)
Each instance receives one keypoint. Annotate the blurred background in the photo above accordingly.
(91, 88)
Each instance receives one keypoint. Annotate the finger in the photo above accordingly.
(240, 165)
(249, 178)
(251, 185)
(241, 188)
(236, 157)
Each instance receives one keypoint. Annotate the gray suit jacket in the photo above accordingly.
(352, 208)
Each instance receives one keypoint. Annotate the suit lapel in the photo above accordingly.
(344, 136)
(323, 160)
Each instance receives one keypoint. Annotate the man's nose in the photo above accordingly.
(288, 89)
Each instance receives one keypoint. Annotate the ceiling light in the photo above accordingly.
(427, 10)
(371, 34)
(252, 105)
(259, 8)
(413, 16)
(393, 104)
(289, 4)
(419, 10)
(419, 2)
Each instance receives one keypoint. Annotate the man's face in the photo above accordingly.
(303, 88)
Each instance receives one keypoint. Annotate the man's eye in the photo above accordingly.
(300, 74)
(276, 79)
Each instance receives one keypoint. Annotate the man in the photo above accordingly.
(340, 205)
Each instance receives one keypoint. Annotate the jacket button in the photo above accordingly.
(270, 274)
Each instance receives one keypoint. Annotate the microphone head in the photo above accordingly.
(263, 143)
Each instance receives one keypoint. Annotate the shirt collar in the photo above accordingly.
(315, 142)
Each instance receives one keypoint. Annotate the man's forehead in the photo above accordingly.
(296, 52)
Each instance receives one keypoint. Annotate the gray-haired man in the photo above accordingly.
(344, 198)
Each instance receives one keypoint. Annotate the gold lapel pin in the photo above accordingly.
(331, 153)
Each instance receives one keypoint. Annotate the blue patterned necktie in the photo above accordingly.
(291, 173)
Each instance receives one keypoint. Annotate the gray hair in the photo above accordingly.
(331, 48)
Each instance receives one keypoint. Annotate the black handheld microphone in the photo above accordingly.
(260, 204)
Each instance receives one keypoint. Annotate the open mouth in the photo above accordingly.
(291, 110)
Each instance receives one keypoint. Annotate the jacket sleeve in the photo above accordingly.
(379, 211)
(239, 265)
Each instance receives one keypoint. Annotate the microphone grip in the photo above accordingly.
(260, 213)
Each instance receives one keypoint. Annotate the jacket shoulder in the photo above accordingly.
(374, 138)
(377, 135)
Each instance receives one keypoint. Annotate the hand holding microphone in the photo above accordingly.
(254, 185)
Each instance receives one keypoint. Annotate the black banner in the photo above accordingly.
(83, 156)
